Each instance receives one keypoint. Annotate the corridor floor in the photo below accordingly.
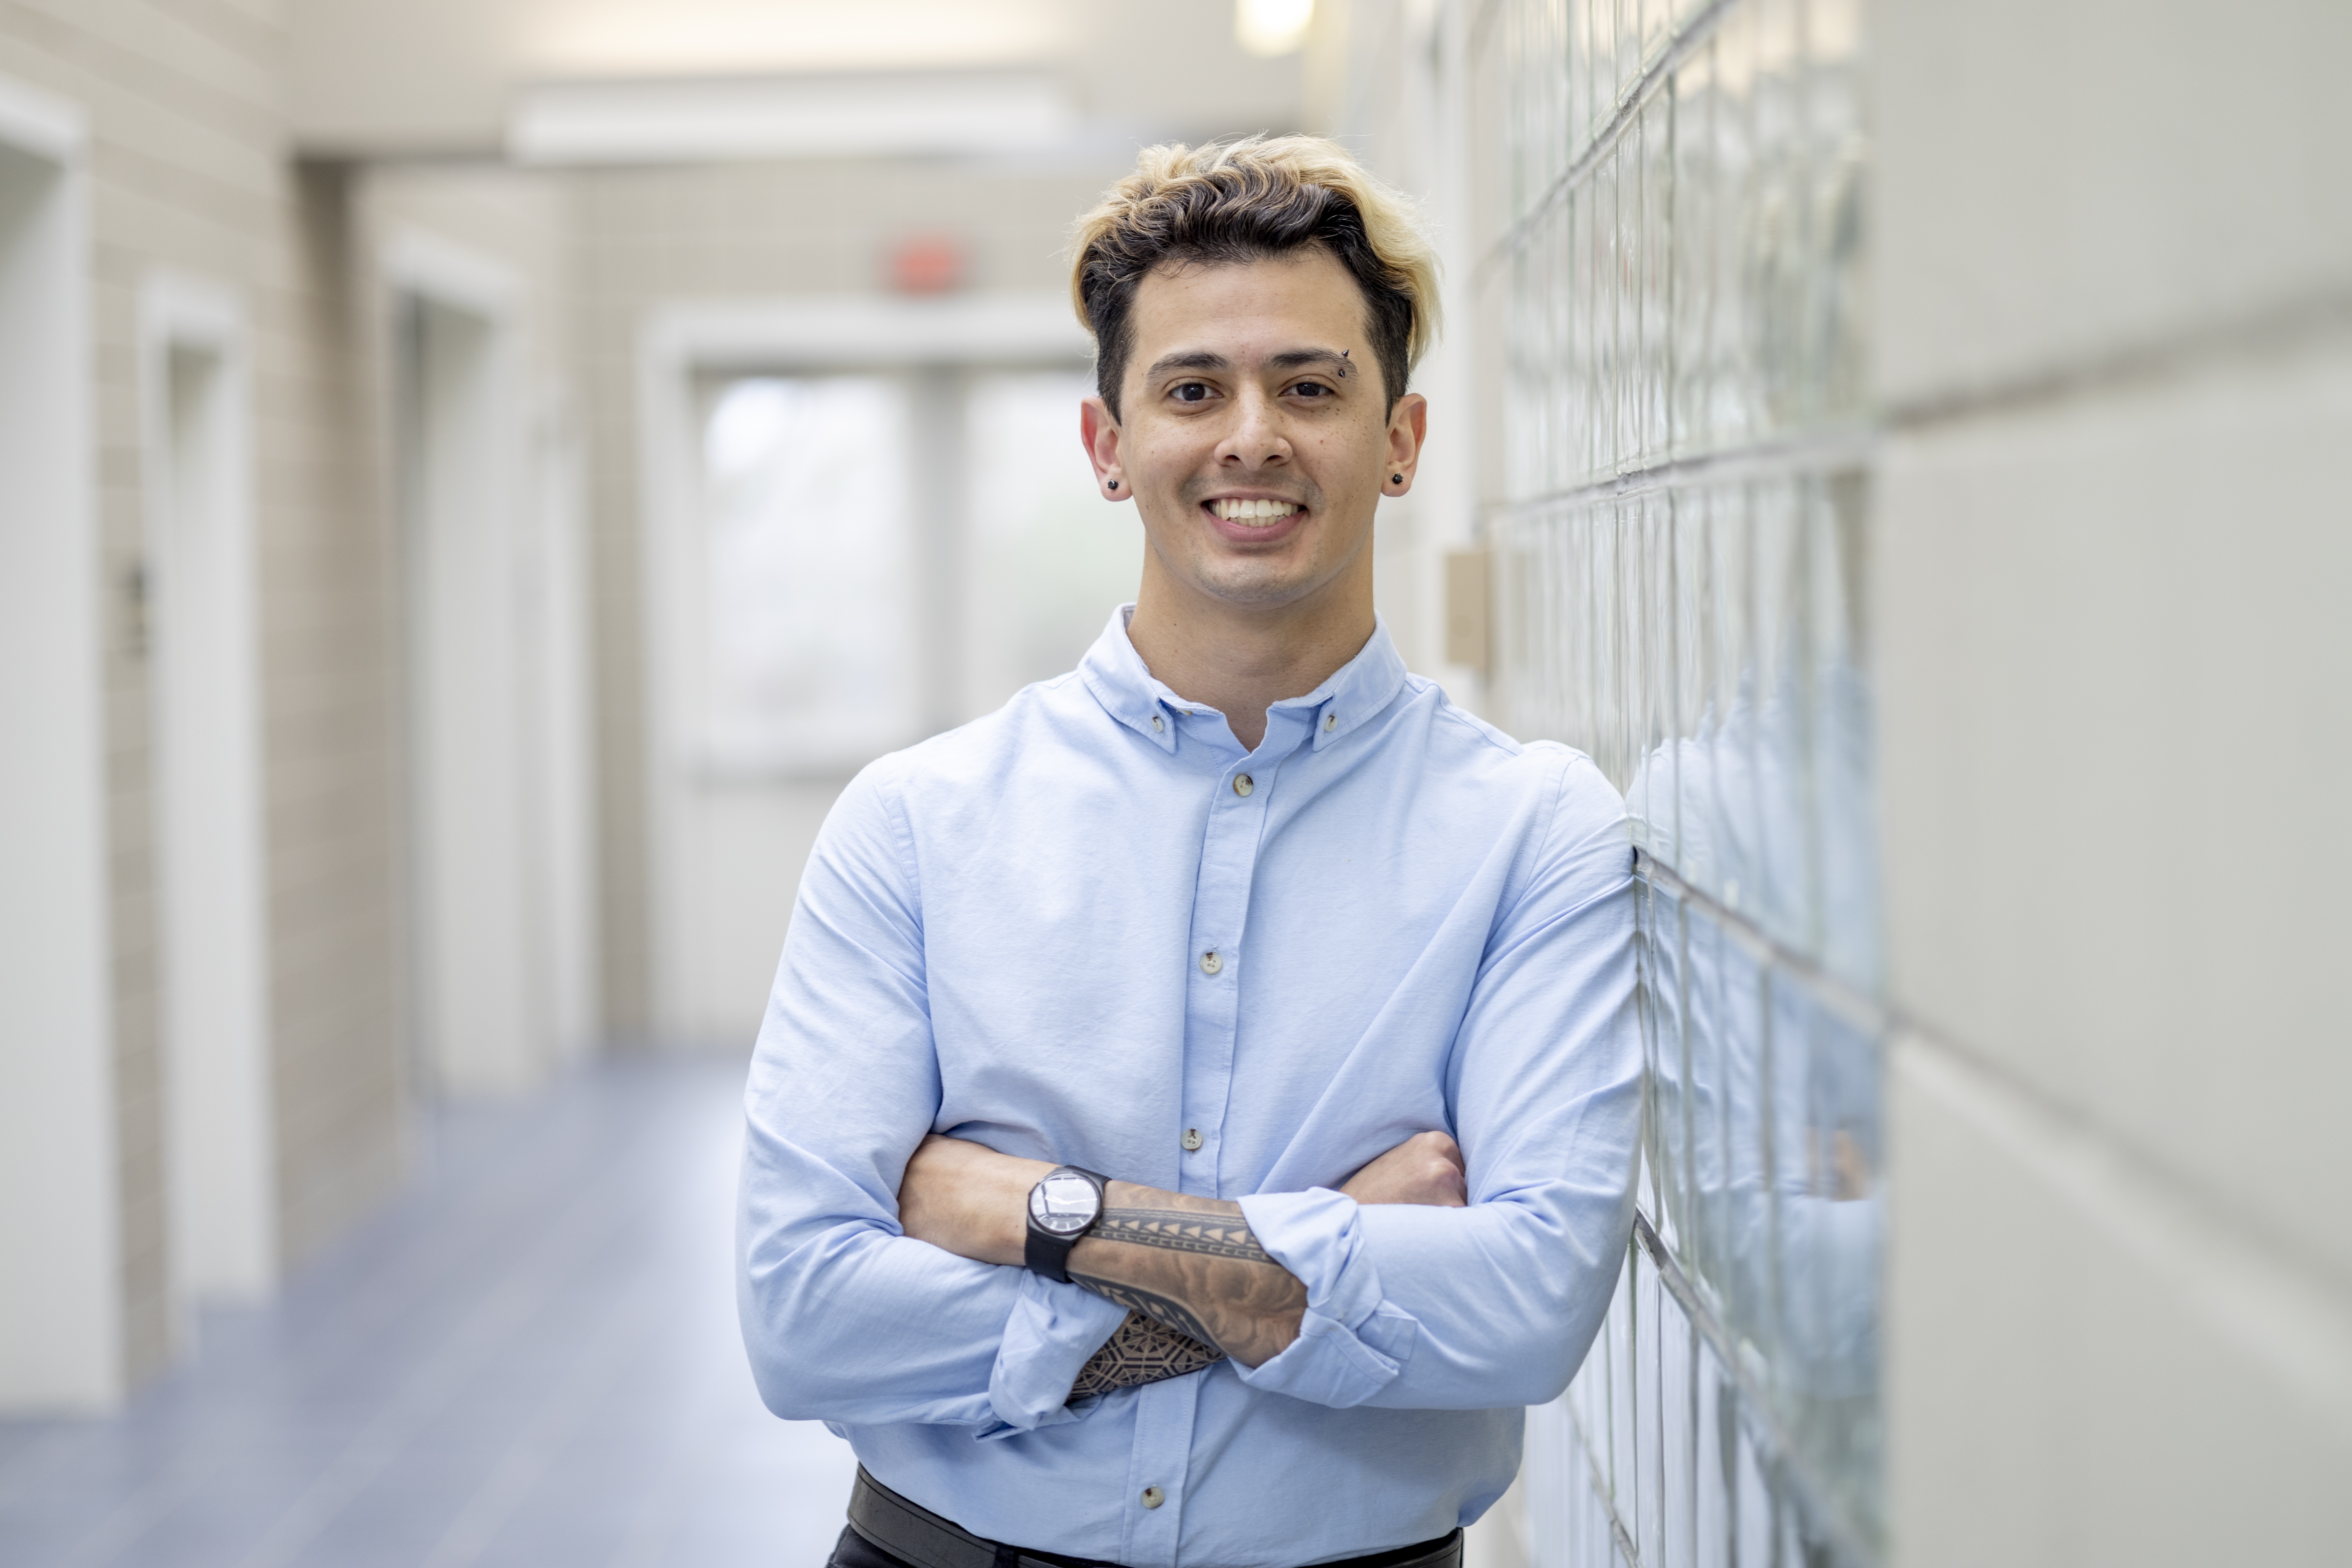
(528, 1359)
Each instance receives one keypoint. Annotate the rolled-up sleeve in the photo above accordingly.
(845, 1318)
(1495, 1304)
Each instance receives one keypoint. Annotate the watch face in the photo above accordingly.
(1063, 1205)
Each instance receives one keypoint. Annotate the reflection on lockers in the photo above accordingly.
(1681, 559)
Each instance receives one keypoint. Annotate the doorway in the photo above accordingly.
(480, 1023)
(870, 523)
(212, 918)
(61, 1293)
(487, 493)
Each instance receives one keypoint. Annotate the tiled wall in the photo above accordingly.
(191, 173)
(2114, 349)
(147, 77)
(329, 605)
(1670, 281)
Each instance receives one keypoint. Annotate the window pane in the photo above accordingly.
(1049, 556)
(808, 643)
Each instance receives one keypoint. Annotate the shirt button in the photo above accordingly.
(1158, 724)
(1243, 784)
(1153, 1497)
(1191, 1139)
(1330, 723)
(1210, 962)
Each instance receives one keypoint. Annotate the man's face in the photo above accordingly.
(1257, 437)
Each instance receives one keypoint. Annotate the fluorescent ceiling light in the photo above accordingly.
(620, 39)
(689, 120)
(1270, 28)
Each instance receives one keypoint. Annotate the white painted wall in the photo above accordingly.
(197, 468)
(60, 1290)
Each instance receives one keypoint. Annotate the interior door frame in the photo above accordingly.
(678, 344)
(212, 904)
(480, 1018)
(60, 1204)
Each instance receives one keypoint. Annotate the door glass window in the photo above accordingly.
(1049, 556)
(809, 653)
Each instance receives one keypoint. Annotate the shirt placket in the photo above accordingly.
(1220, 899)
(1229, 847)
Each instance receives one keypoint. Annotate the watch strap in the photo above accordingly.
(1048, 1254)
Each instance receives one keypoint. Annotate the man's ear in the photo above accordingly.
(1098, 430)
(1408, 429)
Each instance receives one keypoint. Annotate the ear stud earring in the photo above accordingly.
(1396, 479)
(1113, 484)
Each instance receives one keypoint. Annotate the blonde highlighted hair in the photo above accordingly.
(1244, 201)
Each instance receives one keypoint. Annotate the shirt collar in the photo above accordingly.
(1129, 693)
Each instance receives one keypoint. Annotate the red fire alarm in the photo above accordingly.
(926, 264)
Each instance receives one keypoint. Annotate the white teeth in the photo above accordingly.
(1257, 512)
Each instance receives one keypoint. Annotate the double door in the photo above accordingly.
(876, 556)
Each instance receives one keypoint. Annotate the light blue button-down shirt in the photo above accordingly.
(1418, 924)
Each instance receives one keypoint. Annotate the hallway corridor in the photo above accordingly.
(529, 1358)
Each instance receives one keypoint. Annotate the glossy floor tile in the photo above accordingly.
(529, 1358)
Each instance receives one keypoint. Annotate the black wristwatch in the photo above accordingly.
(1062, 1208)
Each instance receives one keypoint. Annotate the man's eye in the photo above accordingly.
(1312, 389)
(1190, 391)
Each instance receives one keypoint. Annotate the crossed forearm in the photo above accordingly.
(1191, 1265)
(1139, 1352)
(1196, 1284)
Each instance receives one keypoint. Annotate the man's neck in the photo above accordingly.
(1240, 660)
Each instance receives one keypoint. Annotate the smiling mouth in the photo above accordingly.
(1255, 513)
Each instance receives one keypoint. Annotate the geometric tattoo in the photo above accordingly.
(1206, 1235)
(1181, 1230)
(1167, 1310)
(1141, 1351)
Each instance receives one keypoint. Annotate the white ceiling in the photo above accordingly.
(401, 77)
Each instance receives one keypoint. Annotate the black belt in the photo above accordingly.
(914, 1533)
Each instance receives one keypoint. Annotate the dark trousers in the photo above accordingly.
(853, 1550)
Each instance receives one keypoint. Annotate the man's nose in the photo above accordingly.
(1256, 439)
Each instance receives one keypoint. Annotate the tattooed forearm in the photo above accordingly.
(1141, 1351)
(1182, 1230)
(1162, 1309)
(1192, 1264)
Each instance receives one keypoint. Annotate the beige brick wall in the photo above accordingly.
(330, 586)
(190, 172)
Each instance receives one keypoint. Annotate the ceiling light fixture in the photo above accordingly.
(689, 120)
(1270, 28)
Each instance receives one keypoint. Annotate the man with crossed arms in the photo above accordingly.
(1198, 1106)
